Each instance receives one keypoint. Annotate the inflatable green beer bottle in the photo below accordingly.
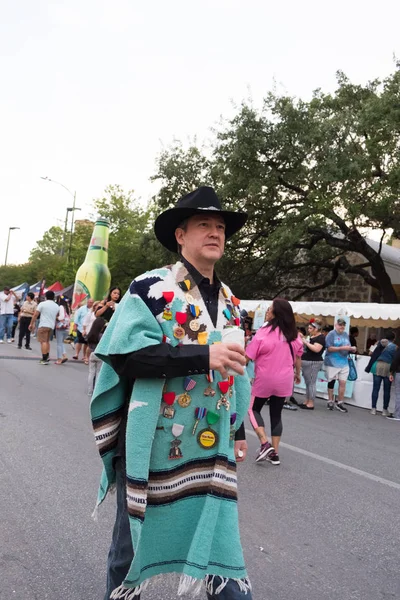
(93, 276)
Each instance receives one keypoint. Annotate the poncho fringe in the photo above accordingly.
(187, 586)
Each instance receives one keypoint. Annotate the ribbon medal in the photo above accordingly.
(231, 381)
(185, 285)
(209, 391)
(223, 401)
(179, 332)
(169, 398)
(175, 452)
(168, 297)
(207, 438)
(185, 399)
(199, 414)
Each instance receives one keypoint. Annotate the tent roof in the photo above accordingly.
(20, 287)
(365, 313)
(68, 291)
(56, 287)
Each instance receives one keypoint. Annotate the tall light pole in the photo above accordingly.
(73, 209)
(8, 242)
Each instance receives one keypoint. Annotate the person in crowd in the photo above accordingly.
(94, 336)
(87, 323)
(81, 343)
(159, 344)
(311, 361)
(26, 313)
(47, 311)
(62, 329)
(17, 310)
(371, 343)
(338, 348)
(354, 333)
(107, 308)
(276, 350)
(379, 366)
(7, 297)
(395, 376)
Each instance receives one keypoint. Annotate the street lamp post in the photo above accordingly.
(8, 243)
(73, 209)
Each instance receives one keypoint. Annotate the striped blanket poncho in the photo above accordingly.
(180, 463)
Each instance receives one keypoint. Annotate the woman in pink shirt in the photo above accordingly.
(276, 350)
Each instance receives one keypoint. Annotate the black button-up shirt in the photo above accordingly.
(166, 361)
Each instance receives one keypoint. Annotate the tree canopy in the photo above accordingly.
(314, 177)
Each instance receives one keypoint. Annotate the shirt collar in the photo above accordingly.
(198, 278)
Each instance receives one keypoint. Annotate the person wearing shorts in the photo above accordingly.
(336, 362)
(80, 342)
(48, 312)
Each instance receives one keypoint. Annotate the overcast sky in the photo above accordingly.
(92, 90)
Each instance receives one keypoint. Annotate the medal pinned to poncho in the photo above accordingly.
(223, 401)
(168, 297)
(199, 414)
(209, 391)
(231, 381)
(194, 323)
(185, 399)
(179, 332)
(168, 411)
(207, 438)
(175, 452)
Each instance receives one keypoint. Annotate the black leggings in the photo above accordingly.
(275, 413)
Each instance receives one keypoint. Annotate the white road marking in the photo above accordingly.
(335, 463)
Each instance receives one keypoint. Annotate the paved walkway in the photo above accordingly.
(322, 526)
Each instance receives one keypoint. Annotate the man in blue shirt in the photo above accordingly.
(338, 349)
(78, 327)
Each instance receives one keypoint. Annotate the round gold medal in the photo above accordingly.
(184, 400)
(179, 333)
(194, 325)
(207, 438)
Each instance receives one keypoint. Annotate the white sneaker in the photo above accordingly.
(373, 411)
(8, 341)
(385, 413)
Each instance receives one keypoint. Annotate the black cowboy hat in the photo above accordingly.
(202, 201)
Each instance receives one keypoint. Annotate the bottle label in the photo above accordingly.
(81, 293)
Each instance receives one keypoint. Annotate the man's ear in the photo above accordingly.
(179, 235)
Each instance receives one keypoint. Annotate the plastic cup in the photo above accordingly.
(233, 335)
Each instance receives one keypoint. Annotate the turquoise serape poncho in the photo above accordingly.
(182, 503)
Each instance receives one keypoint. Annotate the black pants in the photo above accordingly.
(275, 413)
(24, 331)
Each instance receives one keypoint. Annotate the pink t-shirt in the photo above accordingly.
(274, 371)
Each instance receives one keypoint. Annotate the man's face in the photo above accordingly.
(6, 291)
(203, 238)
(340, 328)
(90, 303)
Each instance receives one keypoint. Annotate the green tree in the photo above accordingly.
(314, 177)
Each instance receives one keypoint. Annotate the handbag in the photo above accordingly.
(64, 324)
(352, 370)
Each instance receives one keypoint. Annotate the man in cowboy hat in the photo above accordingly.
(168, 416)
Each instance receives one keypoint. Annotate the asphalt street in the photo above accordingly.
(324, 525)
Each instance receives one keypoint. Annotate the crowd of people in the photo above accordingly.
(160, 399)
(279, 352)
(48, 318)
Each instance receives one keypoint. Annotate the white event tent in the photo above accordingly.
(363, 314)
